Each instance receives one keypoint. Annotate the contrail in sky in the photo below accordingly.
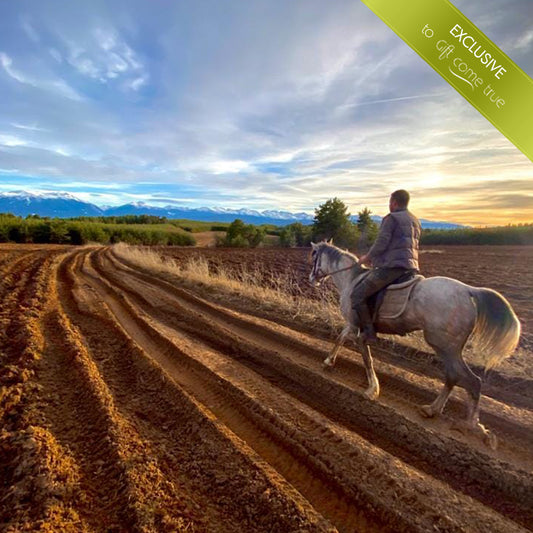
(395, 99)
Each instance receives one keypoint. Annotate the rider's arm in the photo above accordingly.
(383, 239)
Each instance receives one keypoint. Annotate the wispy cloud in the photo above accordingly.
(7, 63)
(11, 140)
(57, 86)
(524, 40)
(31, 127)
(106, 57)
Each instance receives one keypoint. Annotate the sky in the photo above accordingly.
(263, 104)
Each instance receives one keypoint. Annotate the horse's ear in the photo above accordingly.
(330, 241)
(314, 246)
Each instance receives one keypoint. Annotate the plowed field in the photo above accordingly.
(129, 403)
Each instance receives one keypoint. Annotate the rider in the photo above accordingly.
(394, 253)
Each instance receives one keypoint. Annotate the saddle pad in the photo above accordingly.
(396, 298)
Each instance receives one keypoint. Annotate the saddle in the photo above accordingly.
(391, 301)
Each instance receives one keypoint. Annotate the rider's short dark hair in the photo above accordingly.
(402, 197)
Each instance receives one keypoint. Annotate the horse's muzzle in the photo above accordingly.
(314, 281)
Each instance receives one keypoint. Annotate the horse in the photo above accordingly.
(447, 311)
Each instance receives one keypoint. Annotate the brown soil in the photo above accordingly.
(133, 404)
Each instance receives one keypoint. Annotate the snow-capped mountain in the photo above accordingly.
(65, 205)
(49, 204)
(212, 214)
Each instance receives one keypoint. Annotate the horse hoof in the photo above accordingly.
(491, 440)
(327, 366)
(371, 394)
(478, 430)
(426, 411)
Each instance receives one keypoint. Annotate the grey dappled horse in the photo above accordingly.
(447, 311)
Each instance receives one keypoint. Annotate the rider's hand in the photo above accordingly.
(365, 260)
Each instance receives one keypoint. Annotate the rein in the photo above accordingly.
(322, 276)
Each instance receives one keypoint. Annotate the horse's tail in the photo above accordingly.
(497, 329)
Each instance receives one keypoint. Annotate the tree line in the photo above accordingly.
(120, 219)
(34, 229)
(512, 234)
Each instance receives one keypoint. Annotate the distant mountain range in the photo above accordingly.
(65, 205)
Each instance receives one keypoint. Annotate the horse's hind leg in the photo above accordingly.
(451, 379)
(456, 372)
(472, 384)
(459, 373)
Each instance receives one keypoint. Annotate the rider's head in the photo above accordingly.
(399, 200)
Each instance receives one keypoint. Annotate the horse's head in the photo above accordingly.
(319, 262)
(327, 260)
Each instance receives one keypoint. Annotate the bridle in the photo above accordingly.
(322, 276)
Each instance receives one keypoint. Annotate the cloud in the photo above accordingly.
(106, 57)
(31, 127)
(7, 63)
(524, 40)
(11, 140)
(57, 86)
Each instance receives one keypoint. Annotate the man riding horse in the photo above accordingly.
(394, 253)
(448, 312)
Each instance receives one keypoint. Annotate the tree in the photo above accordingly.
(235, 230)
(240, 234)
(295, 234)
(368, 230)
(332, 220)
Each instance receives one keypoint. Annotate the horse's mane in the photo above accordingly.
(336, 254)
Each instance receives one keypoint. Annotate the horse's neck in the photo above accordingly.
(343, 279)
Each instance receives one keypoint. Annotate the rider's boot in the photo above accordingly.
(368, 333)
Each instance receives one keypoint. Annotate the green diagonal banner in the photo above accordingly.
(468, 60)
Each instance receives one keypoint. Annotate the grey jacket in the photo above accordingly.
(397, 242)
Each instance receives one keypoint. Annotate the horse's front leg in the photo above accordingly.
(373, 384)
(329, 362)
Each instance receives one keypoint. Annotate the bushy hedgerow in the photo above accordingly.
(124, 219)
(521, 234)
(34, 229)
